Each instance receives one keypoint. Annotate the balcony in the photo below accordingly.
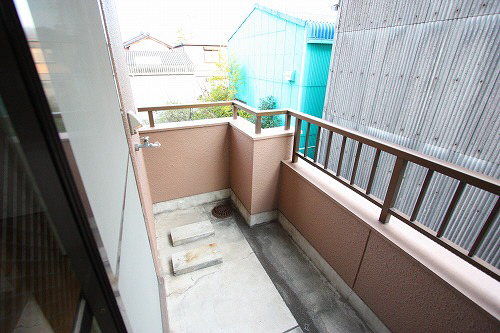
(306, 248)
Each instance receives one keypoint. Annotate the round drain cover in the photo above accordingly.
(222, 211)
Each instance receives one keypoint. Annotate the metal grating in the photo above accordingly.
(222, 211)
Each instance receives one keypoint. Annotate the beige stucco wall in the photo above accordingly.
(255, 164)
(209, 155)
(409, 298)
(327, 227)
(268, 154)
(411, 283)
(241, 166)
(192, 159)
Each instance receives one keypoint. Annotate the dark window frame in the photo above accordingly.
(31, 117)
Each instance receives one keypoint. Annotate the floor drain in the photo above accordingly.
(222, 211)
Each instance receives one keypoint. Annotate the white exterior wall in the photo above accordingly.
(157, 90)
(197, 55)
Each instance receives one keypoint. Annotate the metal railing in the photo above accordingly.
(235, 104)
(403, 156)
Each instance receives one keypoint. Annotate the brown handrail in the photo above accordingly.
(473, 178)
(235, 104)
(403, 156)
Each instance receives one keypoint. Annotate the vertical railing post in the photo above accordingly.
(316, 150)
(306, 146)
(151, 119)
(485, 228)
(235, 112)
(393, 189)
(258, 124)
(328, 148)
(449, 212)
(341, 155)
(372, 172)
(421, 195)
(288, 120)
(296, 140)
(356, 161)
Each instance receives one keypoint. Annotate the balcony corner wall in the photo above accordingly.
(255, 169)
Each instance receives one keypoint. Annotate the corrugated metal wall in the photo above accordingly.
(422, 74)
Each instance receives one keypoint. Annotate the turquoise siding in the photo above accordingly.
(313, 87)
(266, 46)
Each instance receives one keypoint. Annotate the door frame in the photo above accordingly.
(31, 117)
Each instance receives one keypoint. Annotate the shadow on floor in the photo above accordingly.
(314, 303)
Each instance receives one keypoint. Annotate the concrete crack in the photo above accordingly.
(246, 257)
(191, 286)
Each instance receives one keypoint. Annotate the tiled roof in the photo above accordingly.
(175, 61)
(136, 39)
(144, 35)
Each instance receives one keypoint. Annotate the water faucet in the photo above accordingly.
(146, 144)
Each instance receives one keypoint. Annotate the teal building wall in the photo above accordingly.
(266, 45)
(313, 87)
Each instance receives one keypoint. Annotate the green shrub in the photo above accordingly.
(268, 103)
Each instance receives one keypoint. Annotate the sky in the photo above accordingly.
(202, 21)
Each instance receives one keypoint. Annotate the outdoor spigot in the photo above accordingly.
(146, 144)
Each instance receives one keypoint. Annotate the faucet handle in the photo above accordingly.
(145, 138)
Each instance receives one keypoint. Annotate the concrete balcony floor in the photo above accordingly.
(265, 283)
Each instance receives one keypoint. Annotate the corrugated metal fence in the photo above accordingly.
(422, 74)
(159, 62)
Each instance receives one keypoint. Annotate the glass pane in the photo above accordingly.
(38, 290)
(68, 45)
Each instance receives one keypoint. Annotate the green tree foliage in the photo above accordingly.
(223, 87)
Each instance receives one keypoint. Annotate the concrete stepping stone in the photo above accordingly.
(195, 259)
(191, 232)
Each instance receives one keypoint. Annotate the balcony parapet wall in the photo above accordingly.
(193, 158)
(411, 283)
(211, 155)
